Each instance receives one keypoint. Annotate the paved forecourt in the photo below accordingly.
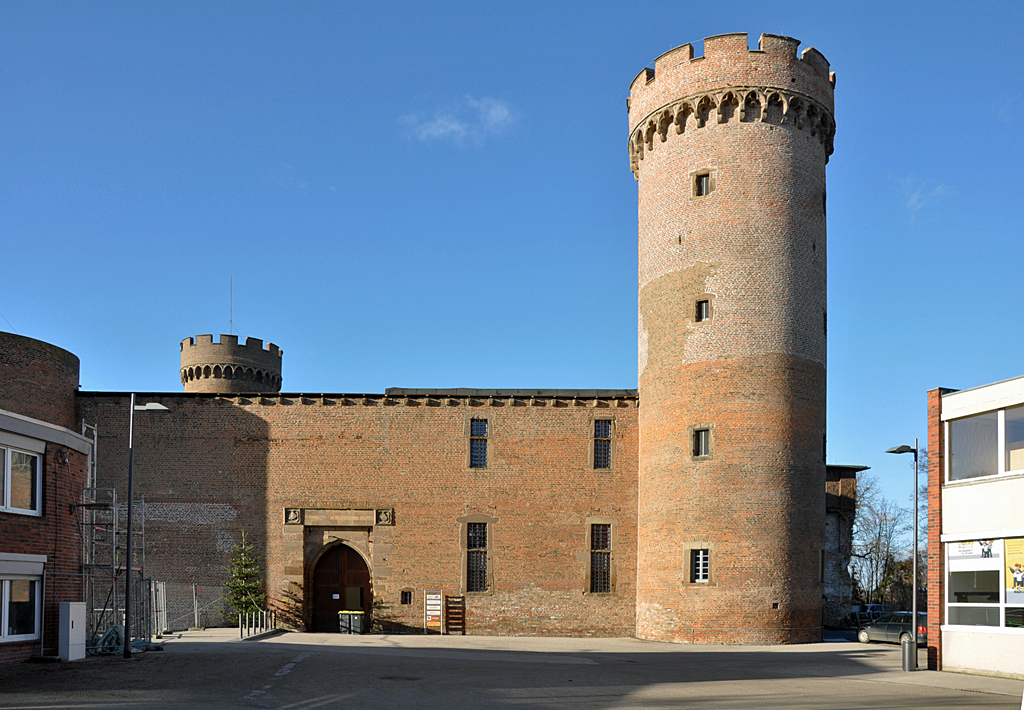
(213, 669)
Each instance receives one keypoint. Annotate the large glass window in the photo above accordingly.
(1015, 616)
(985, 583)
(19, 484)
(977, 587)
(974, 616)
(1014, 439)
(973, 446)
(19, 609)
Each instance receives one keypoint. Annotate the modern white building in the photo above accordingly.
(976, 529)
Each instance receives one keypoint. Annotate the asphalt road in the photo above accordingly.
(314, 671)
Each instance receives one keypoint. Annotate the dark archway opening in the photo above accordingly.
(341, 582)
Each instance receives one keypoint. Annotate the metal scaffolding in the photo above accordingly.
(104, 566)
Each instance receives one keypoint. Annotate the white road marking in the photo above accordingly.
(285, 670)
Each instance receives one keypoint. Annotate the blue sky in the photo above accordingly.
(439, 195)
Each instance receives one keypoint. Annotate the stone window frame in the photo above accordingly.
(591, 458)
(402, 595)
(585, 556)
(489, 552)
(712, 183)
(691, 439)
(689, 548)
(489, 441)
(707, 298)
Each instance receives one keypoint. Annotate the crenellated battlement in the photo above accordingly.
(227, 366)
(727, 56)
(730, 70)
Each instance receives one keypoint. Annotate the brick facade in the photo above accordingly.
(936, 552)
(759, 126)
(37, 403)
(214, 466)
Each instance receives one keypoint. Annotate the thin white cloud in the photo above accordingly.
(284, 176)
(496, 116)
(916, 194)
(472, 120)
(444, 125)
(1006, 108)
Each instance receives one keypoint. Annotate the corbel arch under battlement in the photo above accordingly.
(794, 109)
(257, 376)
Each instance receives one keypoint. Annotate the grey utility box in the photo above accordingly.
(72, 631)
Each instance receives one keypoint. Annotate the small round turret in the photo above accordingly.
(227, 367)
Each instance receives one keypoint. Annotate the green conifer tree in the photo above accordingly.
(244, 588)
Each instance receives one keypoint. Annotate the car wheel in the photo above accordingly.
(862, 636)
(905, 638)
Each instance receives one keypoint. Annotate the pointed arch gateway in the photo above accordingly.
(340, 582)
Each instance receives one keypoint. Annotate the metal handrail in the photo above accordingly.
(252, 623)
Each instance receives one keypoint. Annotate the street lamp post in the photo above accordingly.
(150, 407)
(904, 449)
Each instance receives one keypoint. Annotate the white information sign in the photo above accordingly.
(433, 610)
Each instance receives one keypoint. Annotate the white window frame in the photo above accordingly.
(5, 595)
(5, 502)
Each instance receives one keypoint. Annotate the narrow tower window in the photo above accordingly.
(602, 443)
(478, 443)
(702, 185)
(701, 442)
(600, 558)
(700, 566)
(476, 557)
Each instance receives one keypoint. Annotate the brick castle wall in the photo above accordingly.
(213, 467)
(759, 125)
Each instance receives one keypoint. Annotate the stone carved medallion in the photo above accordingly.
(385, 516)
(293, 516)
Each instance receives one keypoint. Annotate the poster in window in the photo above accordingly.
(1014, 570)
(973, 550)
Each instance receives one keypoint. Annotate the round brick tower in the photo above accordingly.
(37, 380)
(227, 367)
(729, 151)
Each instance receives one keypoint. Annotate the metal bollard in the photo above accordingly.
(909, 655)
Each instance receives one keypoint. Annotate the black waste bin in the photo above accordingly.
(350, 622)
